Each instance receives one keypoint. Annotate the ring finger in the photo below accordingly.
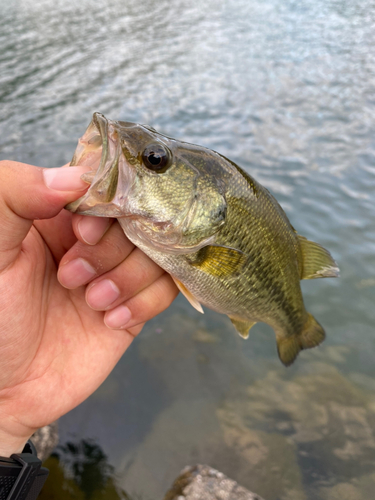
(145, 305)
(133, 275)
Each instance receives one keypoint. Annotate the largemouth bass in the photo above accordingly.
(222, 236)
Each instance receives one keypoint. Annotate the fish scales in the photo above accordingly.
(261, 292)
(221, 235)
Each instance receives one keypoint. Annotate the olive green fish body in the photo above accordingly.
(222, 236)
(265, 286)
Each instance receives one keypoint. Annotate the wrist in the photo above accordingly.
(21, 475)
(11, 444)
(13, 435)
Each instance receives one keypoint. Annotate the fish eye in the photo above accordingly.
(156, 157)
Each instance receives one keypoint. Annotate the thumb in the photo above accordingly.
(28, 193)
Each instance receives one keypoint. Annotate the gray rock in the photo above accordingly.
(202, 482)
(45, 440)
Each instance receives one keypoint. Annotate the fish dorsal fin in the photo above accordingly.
(219, 261)
(190, 297)
(317, 262)
(242, 327)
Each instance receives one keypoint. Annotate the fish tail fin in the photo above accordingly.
(288, 349)
(312, 335)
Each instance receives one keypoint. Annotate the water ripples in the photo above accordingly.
(285, 89)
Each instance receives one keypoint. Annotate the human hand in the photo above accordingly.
(55, 349)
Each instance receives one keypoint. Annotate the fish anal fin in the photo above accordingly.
(189, 296)
(317, 262)
(312, 335)
(219, 261)
(242, 326)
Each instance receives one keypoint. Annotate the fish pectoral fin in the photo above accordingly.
(190, 297)
(242, 327)
(289, 346)
(219, 261)
(317, 262)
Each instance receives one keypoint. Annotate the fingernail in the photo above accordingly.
(92, 229)
(75, 273)
(118, 318)
(65, 179)
(102, 294)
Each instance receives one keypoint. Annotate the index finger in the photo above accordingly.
(27, 193)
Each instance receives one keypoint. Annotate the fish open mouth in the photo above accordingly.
(100, 149)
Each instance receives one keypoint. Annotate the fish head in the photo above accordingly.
(167, 194)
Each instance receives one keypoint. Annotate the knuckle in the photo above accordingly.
(114, 245)
(164, 292)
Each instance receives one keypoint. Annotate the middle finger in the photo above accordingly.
(82, 263)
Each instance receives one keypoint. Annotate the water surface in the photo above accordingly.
(285, 89)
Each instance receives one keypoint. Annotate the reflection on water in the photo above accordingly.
(81, 471)
(286, 89)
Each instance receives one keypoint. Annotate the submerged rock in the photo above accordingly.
(361, 488)
(268, 461)
(202, 482)
(328, 423)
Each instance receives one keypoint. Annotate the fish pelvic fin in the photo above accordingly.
(317, 262)
(312, 335)
(189, 296)
(242, 327)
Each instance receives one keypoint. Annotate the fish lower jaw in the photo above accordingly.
(90, 206)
